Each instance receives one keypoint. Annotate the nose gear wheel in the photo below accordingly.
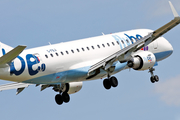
(153, 78)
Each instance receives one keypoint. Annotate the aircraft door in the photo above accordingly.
(155, 44)
(40, 66)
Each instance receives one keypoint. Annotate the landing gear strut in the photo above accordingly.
(110, 81)
(154, 78)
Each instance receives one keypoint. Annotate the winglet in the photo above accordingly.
(173, 10)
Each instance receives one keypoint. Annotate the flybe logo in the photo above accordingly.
(149, 58)
(126, 39)
(138, 37)
(33, 63)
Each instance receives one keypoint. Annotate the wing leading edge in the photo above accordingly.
(124, 55)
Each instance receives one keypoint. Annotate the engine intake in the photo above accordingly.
(142, 61)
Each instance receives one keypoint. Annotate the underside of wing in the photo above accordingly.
(19, 86)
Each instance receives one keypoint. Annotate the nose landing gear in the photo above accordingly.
(153, 78)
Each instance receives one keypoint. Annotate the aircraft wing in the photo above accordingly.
(19, 86)
(124, 55)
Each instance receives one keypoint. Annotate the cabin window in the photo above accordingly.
(62, 53)
(78, 50)
(87, 48)
(117, 42)
(67, 52)
(72, 51)
(51, 55)
(57, 54)
(122, 41)
(108, 44)
(83, 49)
(92, 47)
(98, 46)
(103, 45)
(46, 56)
(112, 43)
(127, 40)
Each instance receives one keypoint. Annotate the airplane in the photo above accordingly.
(65, 66)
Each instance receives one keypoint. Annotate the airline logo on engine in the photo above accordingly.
(149, 58)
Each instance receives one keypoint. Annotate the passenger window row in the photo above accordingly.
(78, 50)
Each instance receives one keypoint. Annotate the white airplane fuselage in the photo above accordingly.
(65, 65)
(70, 61)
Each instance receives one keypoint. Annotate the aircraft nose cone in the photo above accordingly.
(165, 49)
(170, 52)
(169, 48)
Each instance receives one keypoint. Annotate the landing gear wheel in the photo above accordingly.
(65, 97)
(156, 78)
(107, 84)
(58, 99)
(114, 81)
(152, 79)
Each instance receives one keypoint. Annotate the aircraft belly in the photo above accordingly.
(74, 75)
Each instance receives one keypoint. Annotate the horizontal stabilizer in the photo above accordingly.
(11, 55)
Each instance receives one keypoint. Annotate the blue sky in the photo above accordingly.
(35, 23)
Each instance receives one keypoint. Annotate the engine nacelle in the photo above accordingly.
(72, 87)
(142, 61)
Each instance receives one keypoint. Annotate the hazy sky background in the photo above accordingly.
(36, 22)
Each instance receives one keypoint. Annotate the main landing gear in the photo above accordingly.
(110, 81)
(62, 98)
(63, 95)
(153, 78)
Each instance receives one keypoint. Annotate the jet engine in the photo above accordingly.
(142, 61)
(72, 87)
